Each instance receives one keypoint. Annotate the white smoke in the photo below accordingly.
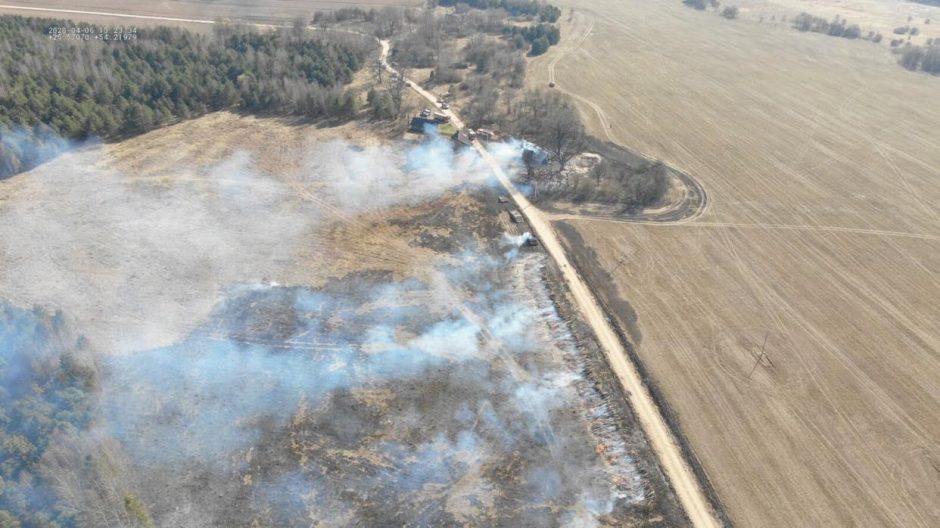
(165, 275)
(137, 260)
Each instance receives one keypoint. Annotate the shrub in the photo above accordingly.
(911, 57)
(550, 14)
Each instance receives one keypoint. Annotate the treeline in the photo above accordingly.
(549, 119)
(46, 390)
(924, 58)
(428, 42)
(96, 88)
(617, 183)
(345, 14)
(384, 22)
(700, 4)
(545, 11)
(729, 12)
(540, 36)
(836, 28)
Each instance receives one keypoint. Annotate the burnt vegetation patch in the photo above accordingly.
(376, 410)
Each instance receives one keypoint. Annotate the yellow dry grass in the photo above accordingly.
(821, 162)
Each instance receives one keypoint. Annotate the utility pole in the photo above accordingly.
(623, 259)
(760, 357)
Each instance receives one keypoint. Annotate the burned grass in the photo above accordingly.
(360, 403)
(379, 345)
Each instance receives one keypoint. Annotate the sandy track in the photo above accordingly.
(660, 436)
(740, 225)
(680, 475)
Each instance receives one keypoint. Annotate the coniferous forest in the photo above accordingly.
(54, 91)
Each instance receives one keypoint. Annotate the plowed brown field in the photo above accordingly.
(822, 236)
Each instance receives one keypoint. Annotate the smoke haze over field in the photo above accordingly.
(269, 351)
(136, 260)
(240, 383)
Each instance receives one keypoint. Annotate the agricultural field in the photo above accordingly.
(880, 16)
(791, 328)
(265, 11)
(280, 324)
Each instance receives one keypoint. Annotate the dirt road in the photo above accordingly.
(660, 437)
(677, 469)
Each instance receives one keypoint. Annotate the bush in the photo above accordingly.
(730, 12)
(549, 32)
(808, 22)
(137, 511)
(696, 4)
(550, 14)
(852, 32)
(924, 58)
(539, 47)
(930, 62)
(836, 28)
(550, 120)
(911, 57)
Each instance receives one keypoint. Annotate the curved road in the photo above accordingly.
(676, 467)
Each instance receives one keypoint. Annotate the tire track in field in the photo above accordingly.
(781, 311)
(745, 225)
(563, 53)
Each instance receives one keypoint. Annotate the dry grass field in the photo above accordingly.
(822, 235)
(301, 325)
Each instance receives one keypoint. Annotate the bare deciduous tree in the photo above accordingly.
(549, 119)
(397, 87)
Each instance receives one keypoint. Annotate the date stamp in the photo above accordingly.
(92, 33)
